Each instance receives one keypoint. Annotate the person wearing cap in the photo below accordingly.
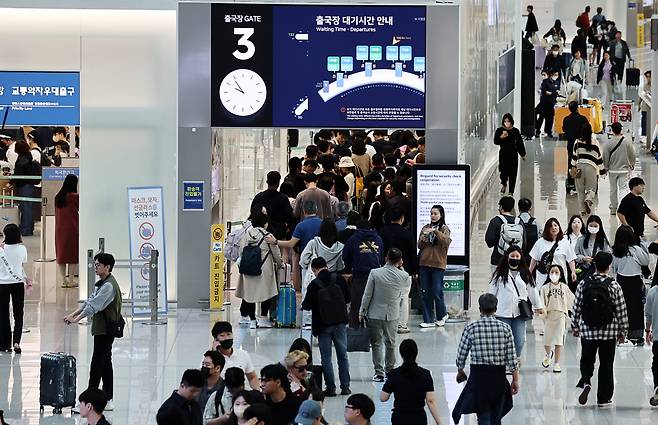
(310, 413)
(346, 167)
(619, 159)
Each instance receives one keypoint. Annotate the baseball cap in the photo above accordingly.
(309, 411)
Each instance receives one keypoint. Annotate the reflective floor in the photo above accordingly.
(149, 360)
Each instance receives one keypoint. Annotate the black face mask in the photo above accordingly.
(205, 371)
(226, 344)
(514, 263)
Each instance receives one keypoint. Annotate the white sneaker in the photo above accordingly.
(253, 324)
(557, 368)
(109, 406)
(428, 325)
(76, 409)
(307, 327)
(547, 359)
(244, 320)
(264, 322)
(441, 321)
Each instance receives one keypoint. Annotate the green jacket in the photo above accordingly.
(103, 305)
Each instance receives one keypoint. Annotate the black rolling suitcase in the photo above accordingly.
(57, 385)
(632, 75)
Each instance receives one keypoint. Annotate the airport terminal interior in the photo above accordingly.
(154, 159)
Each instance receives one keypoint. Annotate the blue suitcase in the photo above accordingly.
(286, 307)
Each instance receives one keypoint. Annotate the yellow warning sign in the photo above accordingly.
(216, 266)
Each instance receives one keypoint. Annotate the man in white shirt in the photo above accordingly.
(222, 333)
(619, 159)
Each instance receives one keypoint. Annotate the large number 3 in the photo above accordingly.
(244, 34)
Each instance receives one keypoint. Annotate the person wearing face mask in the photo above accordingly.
(549, 89)
(242, 400)
(554, 60)
(592, 241)
(511, 145)
(556, 33)
(558, 299)
(552, 248)
(510, 283)
(222, 333)
(211, 369)
(220, 403)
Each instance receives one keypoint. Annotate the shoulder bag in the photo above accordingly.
(546, 260)
(525, 307)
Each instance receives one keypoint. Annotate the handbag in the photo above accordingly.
(358, 339)
(525, 307)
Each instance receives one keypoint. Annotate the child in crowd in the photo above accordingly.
(558, 300)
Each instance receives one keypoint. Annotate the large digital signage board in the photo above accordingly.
(40, 98)
(318, 66)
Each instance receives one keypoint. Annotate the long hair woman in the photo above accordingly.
(629, 255)
(512, 281)
(592, 241)
(412, 386)
(553, 243)
(511, 145)
(67, 231)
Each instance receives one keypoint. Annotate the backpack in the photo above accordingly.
(234, 240)
(250, 260)
(510, 234)
(43, 158)
(331, 302)
(597, 307)
(531, 235)
(218, 399)
(546, 261)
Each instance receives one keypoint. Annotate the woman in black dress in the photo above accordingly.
(413, 387)
(511, 145)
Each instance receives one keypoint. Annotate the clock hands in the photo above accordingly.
(237, 84)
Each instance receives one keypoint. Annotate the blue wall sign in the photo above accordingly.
(193, 196)
(54, 174)
(40, 98)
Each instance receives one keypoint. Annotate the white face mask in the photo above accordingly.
(239, 411)
(555, 277)
(554, 78)
(593, 230)
(554, 53)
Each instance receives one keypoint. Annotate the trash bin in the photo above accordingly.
(453, 293)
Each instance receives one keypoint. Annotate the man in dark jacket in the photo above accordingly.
(327, 332)
(573, 127)
(619, 51)
(531, 26)
(182, 408)
(277, 207)
(553, 61)
(362, 252)
(398, 200)
(579, 42)
(546, 109)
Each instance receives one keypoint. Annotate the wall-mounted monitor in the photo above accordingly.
(506, 73)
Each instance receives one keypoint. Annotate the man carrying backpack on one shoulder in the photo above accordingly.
(531, 230)
(327, 297)
(503, 231)
(600, 320)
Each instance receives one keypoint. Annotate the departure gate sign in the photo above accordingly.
(318, 66)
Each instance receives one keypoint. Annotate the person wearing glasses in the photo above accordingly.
(274, 384)
(103, 306)
(359, 409)
(297, 364)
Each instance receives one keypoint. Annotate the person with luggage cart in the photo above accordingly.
(104, 308)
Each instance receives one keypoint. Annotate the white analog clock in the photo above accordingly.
(243, 92)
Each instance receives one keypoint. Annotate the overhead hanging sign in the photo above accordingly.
(40, 98)
(318, 66)
(146, 226)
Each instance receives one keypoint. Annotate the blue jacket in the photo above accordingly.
(363, 251)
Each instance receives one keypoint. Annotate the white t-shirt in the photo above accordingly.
(564, 253)
(16, 256)
(370, 150)
(240, 359)
(350, 180)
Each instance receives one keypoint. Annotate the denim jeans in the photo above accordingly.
(431, 289)
(518, 331)
(338, 335)
(25, 208)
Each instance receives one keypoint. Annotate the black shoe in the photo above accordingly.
(17, 350)
(550, 136)
(582, 399)
(345, 391)
(330, 393)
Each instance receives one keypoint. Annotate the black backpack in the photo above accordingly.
(250, 261)
(597, 308)
(331, 302)
(531, 235)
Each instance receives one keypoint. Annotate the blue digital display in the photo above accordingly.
(40, 98)
(349, 66)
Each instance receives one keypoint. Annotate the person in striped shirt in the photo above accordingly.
(586, 167)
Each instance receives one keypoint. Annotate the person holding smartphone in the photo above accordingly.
(511, 145)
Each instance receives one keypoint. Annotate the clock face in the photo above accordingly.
(243, 92)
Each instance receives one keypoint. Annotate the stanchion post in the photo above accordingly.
(91, 272)
(153, 289)
(42, 251)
